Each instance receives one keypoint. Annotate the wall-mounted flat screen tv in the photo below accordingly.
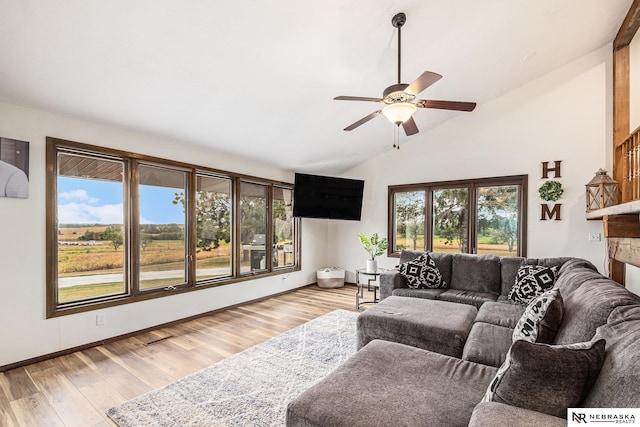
(316, 196)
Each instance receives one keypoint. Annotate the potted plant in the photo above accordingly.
(374, 246)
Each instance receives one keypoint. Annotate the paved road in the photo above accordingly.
(65, 282)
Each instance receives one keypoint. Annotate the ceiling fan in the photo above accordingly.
(400, 98)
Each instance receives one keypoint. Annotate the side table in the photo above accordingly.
(371, 284)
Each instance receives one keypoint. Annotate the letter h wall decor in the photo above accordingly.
(551, 191)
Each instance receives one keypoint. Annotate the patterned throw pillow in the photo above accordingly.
(531, 281)
(547, 378)
(541, 319)
(422, 273)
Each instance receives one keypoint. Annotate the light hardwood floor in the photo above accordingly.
(77, 389)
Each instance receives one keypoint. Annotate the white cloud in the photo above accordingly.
(80, 195)
(144, 220)
(82, 213)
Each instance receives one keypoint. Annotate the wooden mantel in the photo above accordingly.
(621, 225)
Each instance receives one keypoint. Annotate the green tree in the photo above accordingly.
(450, 216)
(113, 233)
(253, 211)
(410, 216)
(282, 221)
(213, 218)
(498, 207)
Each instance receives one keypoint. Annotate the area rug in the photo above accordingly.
(251, 388)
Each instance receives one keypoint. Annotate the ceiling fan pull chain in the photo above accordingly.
(396, 137)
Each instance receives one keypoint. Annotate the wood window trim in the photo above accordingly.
(56, 145)
(472, 184)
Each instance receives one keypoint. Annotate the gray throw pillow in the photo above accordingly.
(541, 319)
(547, 378)
(531, 281)
(422, 273)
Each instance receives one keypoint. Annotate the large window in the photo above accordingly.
(162, 239)
(253, 227)
(213, 227)
(91, 247)
(123, 227)
(485, 216)
(283, 228)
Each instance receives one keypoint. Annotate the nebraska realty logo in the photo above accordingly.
(600, 416)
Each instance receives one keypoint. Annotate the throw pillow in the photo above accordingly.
(547, 378)
(422, 273)
(531, 281)
(541, 319)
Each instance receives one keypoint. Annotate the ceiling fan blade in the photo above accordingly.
(410, 127)
(424, 81)
(362, 120)
(356, 98)
(446, 105)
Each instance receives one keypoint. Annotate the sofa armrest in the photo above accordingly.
(390, 280)
(490, 414)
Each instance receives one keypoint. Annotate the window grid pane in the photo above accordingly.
(213, 227)
(90, 211)
(162, 221)
(497, 219)
(409, 221)
(253, 227)
(283, 227)
(450, 220)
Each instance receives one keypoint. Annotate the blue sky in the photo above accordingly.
(91, 201)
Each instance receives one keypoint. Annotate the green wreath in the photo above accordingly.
(550, 191)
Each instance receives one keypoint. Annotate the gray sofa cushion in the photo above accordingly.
(444, 262)
(438, 326)
(508, 268)
(408, 255)
(500, 313)
(619, 380)
(389, 281)
(487, 344)
(463, 296)
(573, 263)
(555, 261)
(390, 384)
(547, 378)
(493, 414)
(589, 306)
(570, 279)
(478, 273)
(418, 293)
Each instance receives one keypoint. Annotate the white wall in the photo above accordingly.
(561, 116)
(25, 332)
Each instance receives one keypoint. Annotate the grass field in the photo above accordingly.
(439, 245)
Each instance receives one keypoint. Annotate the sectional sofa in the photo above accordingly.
(448, 356)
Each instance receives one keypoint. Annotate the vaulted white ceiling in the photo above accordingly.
(257, 78)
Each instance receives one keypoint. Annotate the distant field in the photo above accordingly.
(72, 233)
(440, 245)
(157, 255)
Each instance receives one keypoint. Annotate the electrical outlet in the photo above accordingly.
(594, 237)
(100, 319)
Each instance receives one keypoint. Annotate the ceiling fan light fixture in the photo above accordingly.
(399, 112)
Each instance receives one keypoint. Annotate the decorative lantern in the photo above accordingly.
(602, 191)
